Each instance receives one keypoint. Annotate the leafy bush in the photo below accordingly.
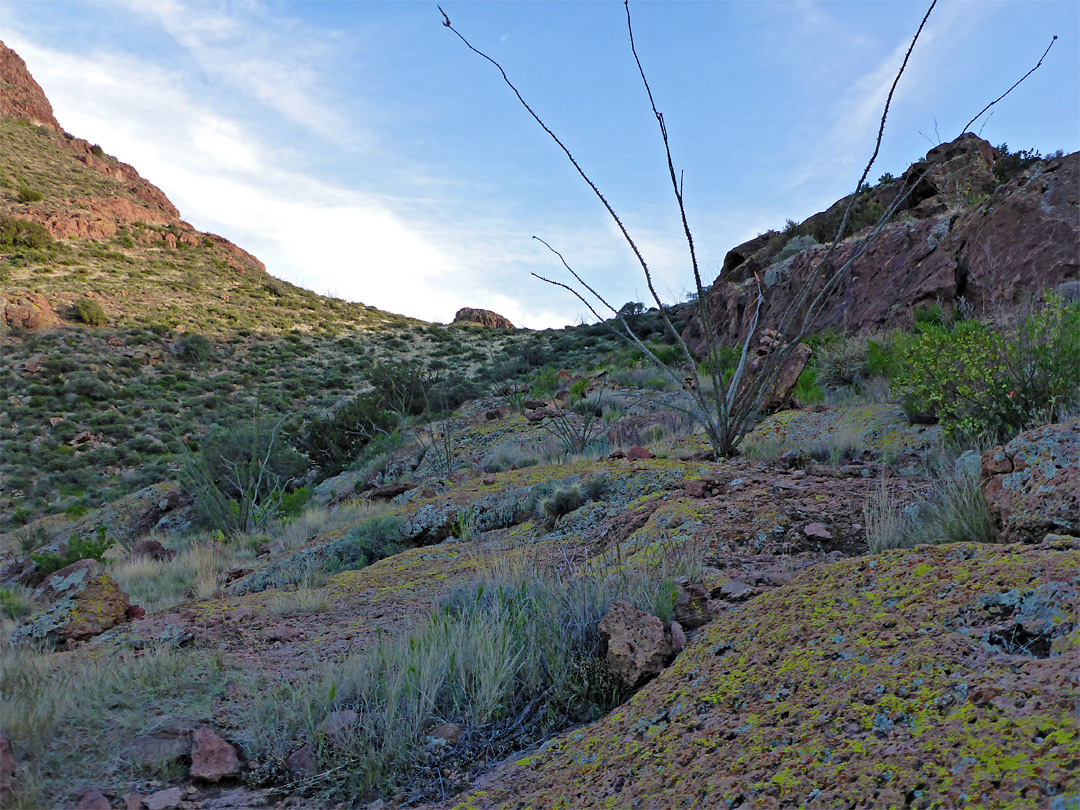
(90, 312)
(977, 378)
(807, 389)
(29, 195)
(79, 548)
(17, 234)
(241, 474)
(197, 348)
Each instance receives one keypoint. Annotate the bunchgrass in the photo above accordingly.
(954, 511)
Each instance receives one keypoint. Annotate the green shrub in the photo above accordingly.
(369, 542)
(797, 244)
(29, 195)
(807, 389)
(18, 234)
(978, 378)
(13, 605)
(90, 312)
(79, 548)
(197, 348)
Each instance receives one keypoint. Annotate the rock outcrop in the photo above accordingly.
(29, 310)
(87, 603)
(20, 96)
(482, 317)
(1032, 484)
(950, 240)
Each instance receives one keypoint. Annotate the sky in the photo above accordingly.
(360, 150)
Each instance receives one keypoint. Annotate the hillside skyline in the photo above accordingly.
(421, 193)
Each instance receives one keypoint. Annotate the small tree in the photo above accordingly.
(725, 409)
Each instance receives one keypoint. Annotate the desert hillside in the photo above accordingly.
(261, 548)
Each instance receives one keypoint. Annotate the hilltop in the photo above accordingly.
(264, 548)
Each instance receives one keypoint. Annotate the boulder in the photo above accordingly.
(212, 759)
(1032, 484)
(151, 549)
(164, 799)
(691, 606)
(86, 604)
(482, 317)
(93, 799)
(170, 743)
(779, 393)
(29, 310)
(637, 648)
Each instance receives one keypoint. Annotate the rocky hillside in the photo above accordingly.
(264, 549)
(972, 226)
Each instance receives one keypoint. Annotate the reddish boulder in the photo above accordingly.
(638, 453)
(151, 549)
(1032, 484)
(93, 799)
(637, 647)
(212, 759)
(29, 310)
(691, 606)
(482, 317)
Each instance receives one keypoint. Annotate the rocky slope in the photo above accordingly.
(956, 237)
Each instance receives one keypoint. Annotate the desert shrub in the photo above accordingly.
(979, 378)
(797, 244)
(27, 194)
(79, 548)
(954, 511)
(331, 442)
(843, 363)
(1010, 164)
(369, 542)
(18, 234)
(13, 603)
(89, 311)
(197, 348)
(562, 501)
(240, 474)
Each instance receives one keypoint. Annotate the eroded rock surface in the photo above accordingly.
(1032, 484)
(869, 682)
(482, 317)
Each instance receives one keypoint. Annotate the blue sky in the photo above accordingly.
(359, 149)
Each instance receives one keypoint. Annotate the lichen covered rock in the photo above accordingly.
(86, 604)
(1032, 484)
(937, 677)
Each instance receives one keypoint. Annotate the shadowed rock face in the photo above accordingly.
(1016, 242)
(482, 317)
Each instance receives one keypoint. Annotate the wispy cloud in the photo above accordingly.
(273, 59)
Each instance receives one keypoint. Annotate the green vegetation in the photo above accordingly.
(954, 511)
(978, 377)
(78, 548)
(89, 311)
